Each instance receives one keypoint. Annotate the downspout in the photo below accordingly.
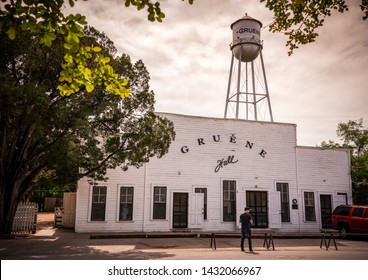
(297, 180)
(144, 196)
(350, 180)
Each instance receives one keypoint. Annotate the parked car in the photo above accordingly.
(350, 219)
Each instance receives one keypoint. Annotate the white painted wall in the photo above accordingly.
(195, 167)
(322, 171)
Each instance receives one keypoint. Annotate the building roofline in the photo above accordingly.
(224, 119)
(322, 148)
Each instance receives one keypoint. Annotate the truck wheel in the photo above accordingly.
(343, 231)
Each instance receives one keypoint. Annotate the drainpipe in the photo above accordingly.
(144, 196)
(350, 180)
(297, 181)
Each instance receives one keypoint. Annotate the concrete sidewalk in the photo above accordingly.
(65, 244)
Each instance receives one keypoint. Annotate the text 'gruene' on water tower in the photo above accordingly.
(247, 92)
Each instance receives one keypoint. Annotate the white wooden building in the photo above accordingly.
(214, 168)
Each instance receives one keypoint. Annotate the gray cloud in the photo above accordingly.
(188, 58)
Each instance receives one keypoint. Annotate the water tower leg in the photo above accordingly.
(246, 90)
(266, 87)
(238, 90)
(228, 86)
(254, 93)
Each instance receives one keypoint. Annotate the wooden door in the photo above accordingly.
(180, 210)
(326, 211)
(69, 204)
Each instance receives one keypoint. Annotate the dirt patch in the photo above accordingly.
(45, 220)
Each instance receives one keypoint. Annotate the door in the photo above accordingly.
(257, 201)
(196, 210)
(326, 210)
(357, 220)
(180, 210)
(69, 204)
(275, 209)
(365, 221)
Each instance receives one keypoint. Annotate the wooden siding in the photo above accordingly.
(261, 154)
(322, 171)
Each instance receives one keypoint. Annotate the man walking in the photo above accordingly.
(246, 220)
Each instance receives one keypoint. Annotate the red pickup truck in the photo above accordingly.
(350, 219)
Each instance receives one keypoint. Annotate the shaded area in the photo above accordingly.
(60, 249)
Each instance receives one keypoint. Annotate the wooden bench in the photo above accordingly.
(267, 236)
(330, 234)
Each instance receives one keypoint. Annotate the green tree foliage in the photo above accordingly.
(300, 19)
(83, 66)
(153, 8)
(47, 138)
(355, 137)
(54, 190)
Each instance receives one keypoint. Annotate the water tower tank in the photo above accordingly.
(246, 43)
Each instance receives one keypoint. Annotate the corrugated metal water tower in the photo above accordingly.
(247, 94)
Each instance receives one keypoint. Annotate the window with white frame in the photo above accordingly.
(98, 208)
(229, 201)
(310, 212)
(126, 204)
(159, 202)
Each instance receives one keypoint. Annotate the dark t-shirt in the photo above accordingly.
(245, 222)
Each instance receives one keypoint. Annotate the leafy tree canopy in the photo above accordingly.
(47, 138)
(83, 66)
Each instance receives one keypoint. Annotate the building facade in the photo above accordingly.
(214, 168)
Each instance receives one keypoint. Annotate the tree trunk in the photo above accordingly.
(7, 213)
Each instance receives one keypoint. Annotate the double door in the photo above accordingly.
(187, 210)
(257, 201)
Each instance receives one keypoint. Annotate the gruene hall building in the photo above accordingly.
(214, 168)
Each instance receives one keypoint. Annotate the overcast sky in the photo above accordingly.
(188, 57)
